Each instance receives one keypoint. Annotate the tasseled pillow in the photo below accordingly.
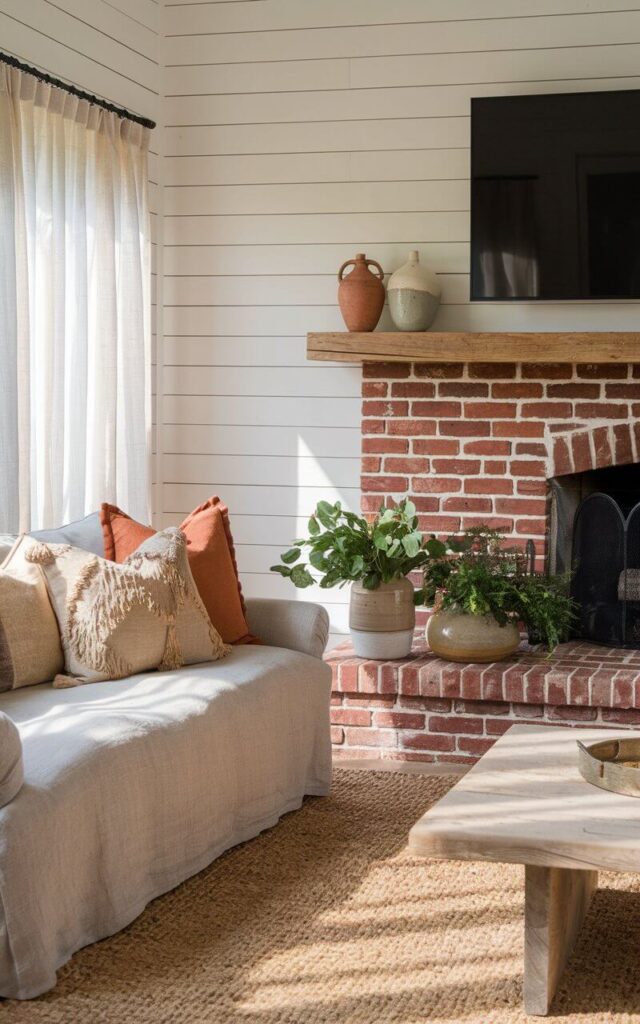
(119, 619)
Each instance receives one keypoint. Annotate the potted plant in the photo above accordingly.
(481, 591)
(375, 557)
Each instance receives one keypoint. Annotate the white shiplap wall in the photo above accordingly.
(106, 47)
(298, 133)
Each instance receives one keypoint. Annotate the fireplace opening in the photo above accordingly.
(595, 532)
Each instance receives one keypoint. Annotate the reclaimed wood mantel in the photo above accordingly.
(485, 347)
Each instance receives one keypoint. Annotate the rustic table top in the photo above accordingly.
(525, 802)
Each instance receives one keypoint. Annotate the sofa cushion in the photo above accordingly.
(211, 557)
(116, 620)
(11, 766)
(30, 649)
(83, 533)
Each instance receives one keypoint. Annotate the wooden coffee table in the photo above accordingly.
(525, 802)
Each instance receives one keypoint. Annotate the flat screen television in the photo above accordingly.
(555, 196)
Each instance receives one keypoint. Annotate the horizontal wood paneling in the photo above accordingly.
(566, 62)
(425, 101)
(290, 471)
(481, 316)
(304, 258)
(146, 12)
(297, 168)
(272, 500)
(122, 24)
(446, 226)
(291, 412)
(80, 43)
(284, 76)
(319, 137)
(592, 61)
(272, 15)
(298, 134)
(277, 290)
(323, 197)
(301, 443)
(305, 381)
(423, 37)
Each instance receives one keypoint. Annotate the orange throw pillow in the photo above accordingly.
(211, 559)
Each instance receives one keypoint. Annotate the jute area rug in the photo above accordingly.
(327, 920)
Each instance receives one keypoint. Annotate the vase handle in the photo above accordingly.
(368, 263)
(344, 267)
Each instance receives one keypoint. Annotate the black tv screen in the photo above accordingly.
(555, 196)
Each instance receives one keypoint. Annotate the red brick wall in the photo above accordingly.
(476, 443)
(470, 444)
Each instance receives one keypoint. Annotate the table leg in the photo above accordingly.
(556, 901)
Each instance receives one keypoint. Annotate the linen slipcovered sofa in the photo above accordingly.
(133, 785)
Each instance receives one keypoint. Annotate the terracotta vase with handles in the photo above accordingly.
(361, 293)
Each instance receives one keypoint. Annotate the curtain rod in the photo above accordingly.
(13, 62)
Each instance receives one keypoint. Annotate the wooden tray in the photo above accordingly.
(612, 764)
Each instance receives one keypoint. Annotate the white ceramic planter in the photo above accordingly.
(457, 636)
(382, 621)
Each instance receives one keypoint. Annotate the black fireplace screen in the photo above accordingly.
(596, 529)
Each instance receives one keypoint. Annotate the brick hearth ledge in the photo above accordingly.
(425, 709)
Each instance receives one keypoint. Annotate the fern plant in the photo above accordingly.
(478, 575)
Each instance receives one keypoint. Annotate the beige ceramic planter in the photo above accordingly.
(382, 621)
(458, 636)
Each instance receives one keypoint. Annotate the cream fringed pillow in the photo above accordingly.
(119, 619)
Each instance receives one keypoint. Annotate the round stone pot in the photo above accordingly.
(457, 636)
(382, 621)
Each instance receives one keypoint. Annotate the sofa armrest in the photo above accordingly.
(11, 767)
(296, 625)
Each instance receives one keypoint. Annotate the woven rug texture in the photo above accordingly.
(326, 919)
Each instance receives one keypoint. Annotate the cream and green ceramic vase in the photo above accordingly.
(382, 621)
(458, 636)
(414, 293)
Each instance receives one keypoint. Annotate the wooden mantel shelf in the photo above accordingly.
(485, 347)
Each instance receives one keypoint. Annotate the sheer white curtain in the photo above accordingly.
(75, 395)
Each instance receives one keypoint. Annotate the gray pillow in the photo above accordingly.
(11, 771)
(83, 533)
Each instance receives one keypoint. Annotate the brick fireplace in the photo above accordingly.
(478, 443)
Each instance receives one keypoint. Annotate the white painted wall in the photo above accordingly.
(298, 133)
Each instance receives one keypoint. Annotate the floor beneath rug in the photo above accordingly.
(326, 919)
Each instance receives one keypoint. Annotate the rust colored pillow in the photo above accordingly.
(211, 559)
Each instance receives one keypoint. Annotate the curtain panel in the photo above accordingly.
(75, 331)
